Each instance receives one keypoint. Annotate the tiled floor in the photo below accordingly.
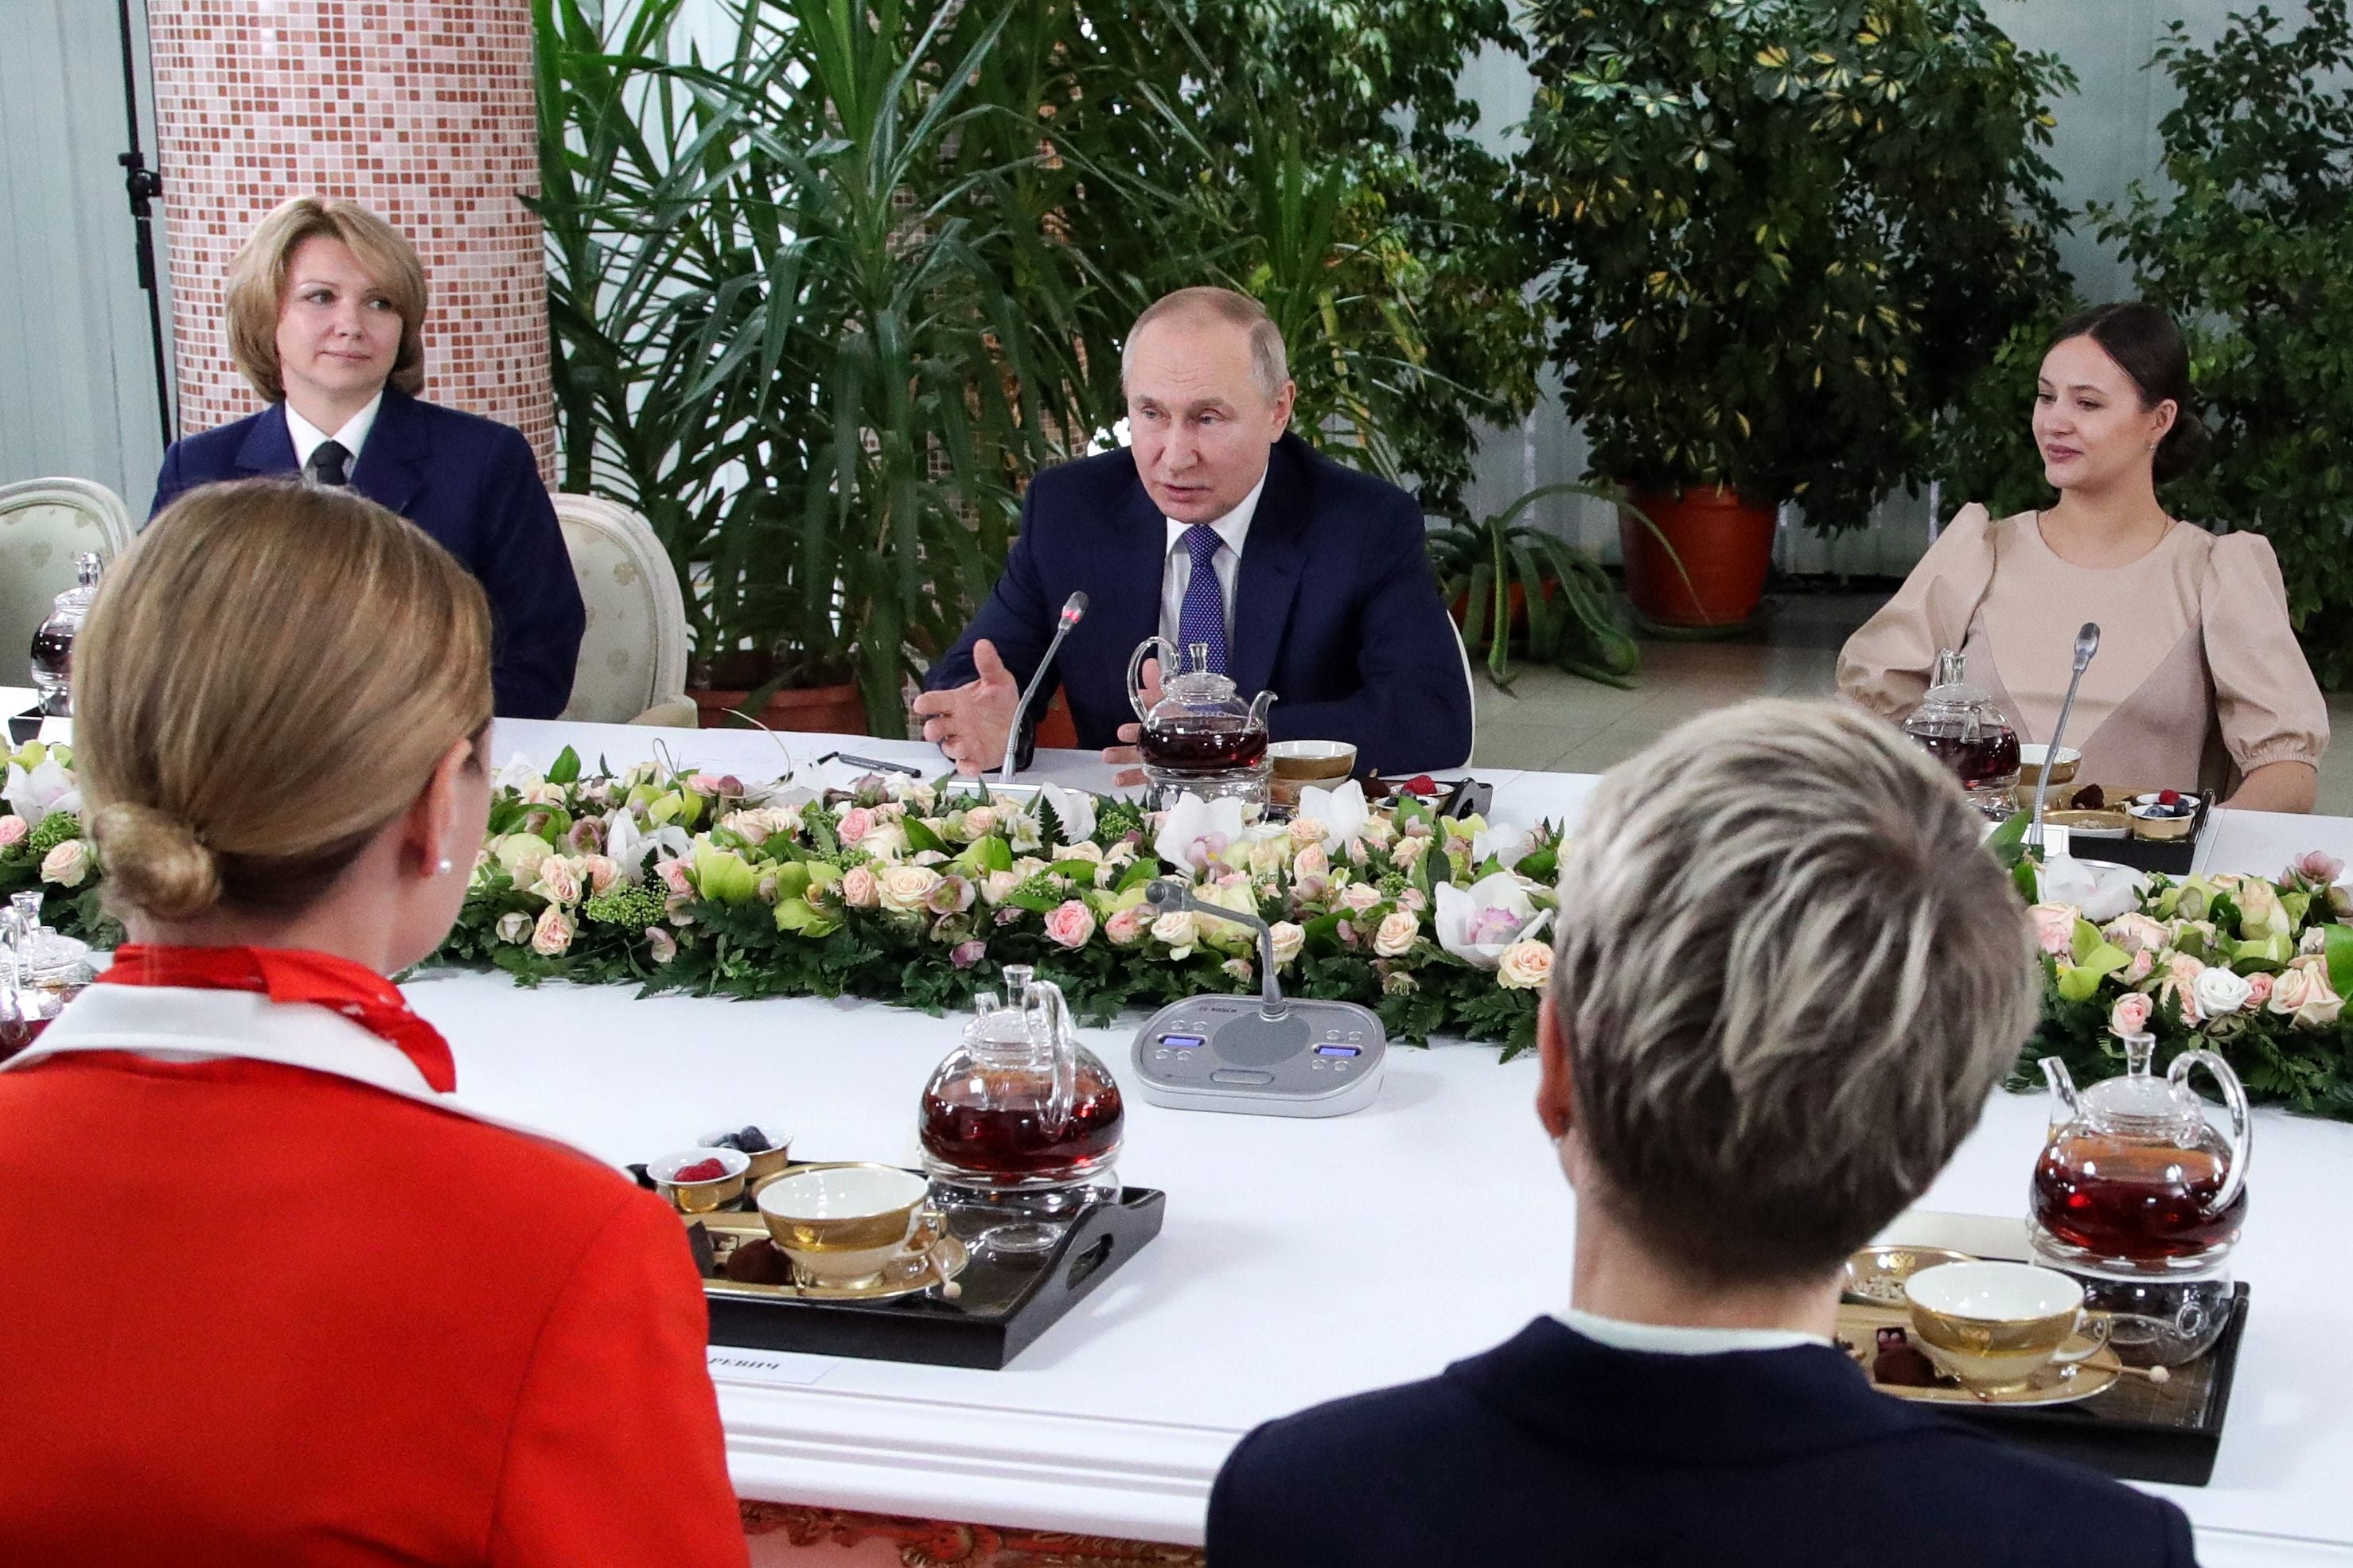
(1561, 724)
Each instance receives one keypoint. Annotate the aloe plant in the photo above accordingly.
(1575, 613)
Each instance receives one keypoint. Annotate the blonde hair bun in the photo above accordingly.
(154, 861)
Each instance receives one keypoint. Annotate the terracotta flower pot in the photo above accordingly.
(829, 709)
(1723, 547)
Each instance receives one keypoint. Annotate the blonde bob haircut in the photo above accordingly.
(257, 286)
(270, 674)
(1788, 976)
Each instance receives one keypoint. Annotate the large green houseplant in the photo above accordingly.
(1784, 233)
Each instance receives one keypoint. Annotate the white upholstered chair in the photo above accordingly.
(633, 656)
(44, 524)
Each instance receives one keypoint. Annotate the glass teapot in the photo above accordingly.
(40, 971)
(1021, 1107)
(1200, 725)
(1958, 725)
(53, 642)
(2135, 1181)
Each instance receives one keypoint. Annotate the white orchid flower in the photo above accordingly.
(519, 774)
(1074, 809)
(626, 845)
(1341, 813)
(2102, 891)
(47, 788)
(1508, 844)
(1196, 834)
(1478, 922)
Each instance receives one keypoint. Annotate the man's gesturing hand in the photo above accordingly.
(969, 722)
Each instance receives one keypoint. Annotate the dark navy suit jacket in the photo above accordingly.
(1336, 609)
(1553, 1450)
(472, 484)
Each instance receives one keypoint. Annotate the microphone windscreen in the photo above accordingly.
(1074, 606)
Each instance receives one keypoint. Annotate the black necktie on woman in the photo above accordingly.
(329, 464)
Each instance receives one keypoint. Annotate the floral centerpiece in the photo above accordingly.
(2256, 970)
(919, 894)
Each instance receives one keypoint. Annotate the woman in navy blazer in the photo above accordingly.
(326, 305)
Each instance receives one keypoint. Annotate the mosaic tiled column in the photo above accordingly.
(420, 110)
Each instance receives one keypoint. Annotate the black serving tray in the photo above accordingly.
(2135, 1430)
(1003, 1304)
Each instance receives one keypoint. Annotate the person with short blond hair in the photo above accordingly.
(1218, 530)
(326, 317)
(347, 1319)
(1785, 980)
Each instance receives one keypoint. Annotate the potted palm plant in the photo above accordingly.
(1783, 236)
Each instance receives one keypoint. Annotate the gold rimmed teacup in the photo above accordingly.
(843, 1224)
(1298, 764)
(1992, 1326)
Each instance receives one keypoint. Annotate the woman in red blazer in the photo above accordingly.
(272, 1297)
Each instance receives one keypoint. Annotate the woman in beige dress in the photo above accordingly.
(2198, 682)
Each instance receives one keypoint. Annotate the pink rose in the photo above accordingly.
(601, 872)
(1070, 924)
(998, 885)
(2130, 1014)
(659, 945)
(704, 784)
(1413, 900)
(855, 824)
(1397, 934)
(1359, 897)
(553, 934)
(2301, 994)
(2054, 928)
(858, 888)
(2139, 969)
(1525, 966)
(13, 829)
(673, 877)
(2258, 991)
(1311, 864)
(1125, 928)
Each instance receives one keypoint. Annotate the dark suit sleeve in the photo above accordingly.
(1248, 1519)
(1411, 710)
(527, 573)
(1016, 619)
(168, 482)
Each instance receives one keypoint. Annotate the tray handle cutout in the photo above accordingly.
(1083, 1266)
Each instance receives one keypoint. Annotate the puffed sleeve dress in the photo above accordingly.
(2199, 679)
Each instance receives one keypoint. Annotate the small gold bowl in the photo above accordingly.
(1298, 764)
(767, 1162)
(2146, 825)
(700, 1198)
(2063, 768)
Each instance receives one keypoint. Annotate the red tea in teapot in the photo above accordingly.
(1203, 741)
(1007, 1135)
(1986, 759)
(2136, 1201)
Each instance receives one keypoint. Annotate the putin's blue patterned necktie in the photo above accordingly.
(1202, 618)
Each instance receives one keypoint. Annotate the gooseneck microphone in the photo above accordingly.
(1074, 608)
(2087, 643)
(1167, 896)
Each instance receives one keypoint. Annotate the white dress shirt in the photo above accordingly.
(1176, 572)
(1677, 1338)
(309, 437)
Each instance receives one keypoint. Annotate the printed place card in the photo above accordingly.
(783, 1369)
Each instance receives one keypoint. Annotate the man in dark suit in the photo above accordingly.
(1216, 529)
(1787, 980)
(325, 304)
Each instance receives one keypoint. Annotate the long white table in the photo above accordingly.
(1274, 1283)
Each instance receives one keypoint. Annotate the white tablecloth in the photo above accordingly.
(1275, 1282)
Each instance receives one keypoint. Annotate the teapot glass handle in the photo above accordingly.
(1150, 647)
(2243, 1128)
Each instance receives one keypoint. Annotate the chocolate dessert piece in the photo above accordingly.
(1901, 1363)
(2091, 797)
(758, 1262)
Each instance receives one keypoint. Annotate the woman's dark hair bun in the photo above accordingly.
(2144, 340)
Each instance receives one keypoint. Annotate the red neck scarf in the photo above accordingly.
(293, 975)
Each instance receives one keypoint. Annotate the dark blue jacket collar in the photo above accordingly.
(393, 462)
(1744, 1407)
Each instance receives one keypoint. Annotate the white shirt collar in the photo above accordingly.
(309, 437)
(1677, 1338)
(1233, 528)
